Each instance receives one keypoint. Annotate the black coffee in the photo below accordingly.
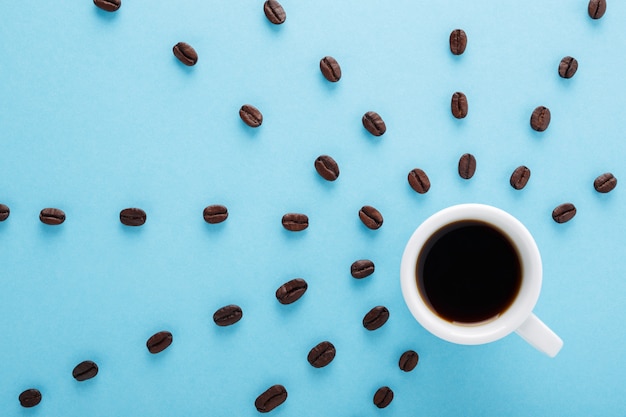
(469, 271)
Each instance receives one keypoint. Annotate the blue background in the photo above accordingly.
(96, 115)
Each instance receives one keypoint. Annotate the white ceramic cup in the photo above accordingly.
(517, 317)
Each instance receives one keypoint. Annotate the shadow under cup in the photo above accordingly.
(471, 274)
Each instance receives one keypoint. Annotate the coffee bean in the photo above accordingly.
(375, 318)
(271, 398)
(108, 5)
(251, 115)
(330, 69)
(540, 119)
(85, 370)
(520, 177)
(274, 12)
(383, 397)
(564, 213)
(408, 360)
(568, 67)
(160, 341)
(458, 41)
(295, 222)
(291, 291)
(605, 183)
(374, 123)
(327, 167)
(371, 217)
(467, 166)
(459, 105)
(133, 216)
(596, 8)
(362, 268)
(4, 212)
(227, 315)
(185, 54)
(215, 213)
(52, 216)
(418, 180)
(30, 398)
(322, 354)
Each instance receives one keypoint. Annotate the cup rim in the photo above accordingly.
(512, 317)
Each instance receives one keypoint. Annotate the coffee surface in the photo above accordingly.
(469, 272)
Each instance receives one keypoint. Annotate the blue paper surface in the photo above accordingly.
(96, 115)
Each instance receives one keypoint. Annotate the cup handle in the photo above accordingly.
(535, 332)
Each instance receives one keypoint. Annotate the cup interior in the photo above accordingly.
(498, 326)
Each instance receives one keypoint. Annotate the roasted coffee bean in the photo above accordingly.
(160, 341)
(408, 360)
(133, 216)
(383, 397)
(540, 119)
(108, 5)
(418, 180)
(458, 41)
(228, 315)
(520, 177)
(605, 183)
(185, 54)
(596, 8)
(568, 67)
(295, 222)
(458, 105)
(322, 354)
(564, 213)
(291, 291)
(274, 12)
(327, 167)
(362, 268)
(215, 213)
(374, 123)
(375, 318)
(371, 217)
(330, 69)
(467, 166)
(4, 212)
(251, 115)
(52, 216)
(85, 370)
(30, 398)
(271, 398)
